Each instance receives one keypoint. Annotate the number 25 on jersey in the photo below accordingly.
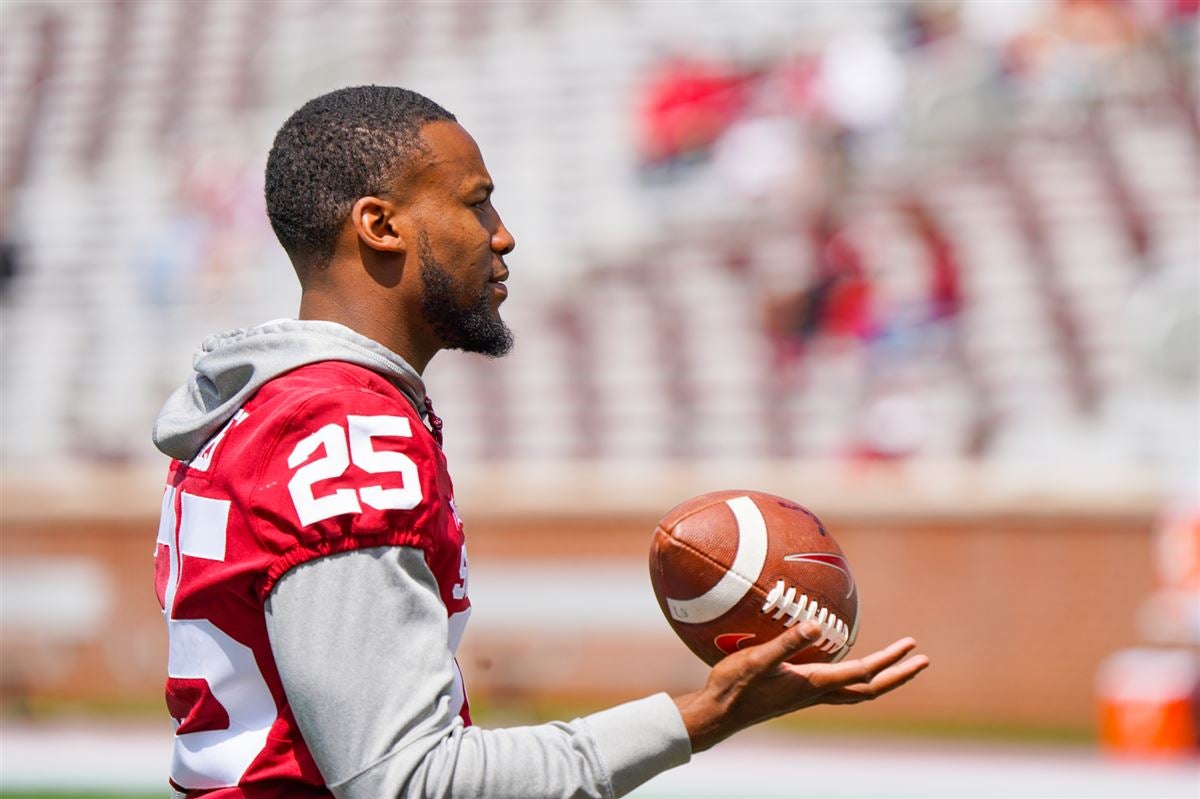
(343, 446)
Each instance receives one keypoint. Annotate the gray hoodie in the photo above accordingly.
(360, 638)
(231, 366)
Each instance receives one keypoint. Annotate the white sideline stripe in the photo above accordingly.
(133, 759)
(906, 770)
(769, 767)
(733, 585)
(202, 526)
(103, 758)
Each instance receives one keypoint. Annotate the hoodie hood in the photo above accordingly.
(231, 366)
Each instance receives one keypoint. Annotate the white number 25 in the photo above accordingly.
(338, 457)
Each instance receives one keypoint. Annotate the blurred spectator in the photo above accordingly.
(763, 155)
(838, 301)
(944, 296)
(957, 96)
(924, 23)
(9, 265)
(835, 304)
(792, 86)
(212, 235)
(1178, 549)
(177, 250)
(687, 104)
(1063, 56)
(895, 420)
(840, 297)
(862, 80)
(771, 151)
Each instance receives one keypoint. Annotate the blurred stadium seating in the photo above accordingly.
(1062, 168)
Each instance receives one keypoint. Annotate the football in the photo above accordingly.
(733, 569)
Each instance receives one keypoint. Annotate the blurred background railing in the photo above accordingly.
(930, 268)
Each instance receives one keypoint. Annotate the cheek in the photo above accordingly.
(478, 254)
(465, 248)
(471, 254)
(466, 237)
(475, 228)
(483, 239)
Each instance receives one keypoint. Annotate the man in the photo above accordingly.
(310, 560)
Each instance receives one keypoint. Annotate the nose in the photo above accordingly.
(502, 241)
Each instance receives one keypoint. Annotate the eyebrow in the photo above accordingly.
(485, 186)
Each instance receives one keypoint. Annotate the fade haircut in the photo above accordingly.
(338, 147)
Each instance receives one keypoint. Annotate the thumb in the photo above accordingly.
(791, 641)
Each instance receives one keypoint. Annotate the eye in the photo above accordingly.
(480, 198)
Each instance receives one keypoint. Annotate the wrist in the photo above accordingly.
(701, 718)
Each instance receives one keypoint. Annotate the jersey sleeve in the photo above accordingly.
(345, 469)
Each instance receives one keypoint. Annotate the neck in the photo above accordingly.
(363, 318)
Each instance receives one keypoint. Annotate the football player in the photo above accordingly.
(309, 559)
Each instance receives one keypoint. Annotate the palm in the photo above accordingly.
(757, 684)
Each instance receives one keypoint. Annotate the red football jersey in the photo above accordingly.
(327, 458)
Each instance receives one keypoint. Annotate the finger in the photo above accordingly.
(884, 682)
(788, 643)
(837, 675)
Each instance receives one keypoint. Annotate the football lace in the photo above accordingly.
(782, 600)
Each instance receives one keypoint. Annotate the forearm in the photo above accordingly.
(361, 644)
(558, 759)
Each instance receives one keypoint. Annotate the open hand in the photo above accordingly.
(756, 684)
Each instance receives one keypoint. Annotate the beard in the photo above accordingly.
(466, 324)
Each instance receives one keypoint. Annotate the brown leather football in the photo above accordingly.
(736, 568)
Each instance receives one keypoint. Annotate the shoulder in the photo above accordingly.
(331, 380)
(332, 457)
(307, 399)
(334, 420)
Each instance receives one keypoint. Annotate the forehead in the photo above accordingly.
(451, 159)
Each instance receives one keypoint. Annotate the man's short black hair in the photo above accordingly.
(338, 147)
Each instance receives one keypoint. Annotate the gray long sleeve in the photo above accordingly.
(360, 640)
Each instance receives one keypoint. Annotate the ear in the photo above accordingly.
(377, 225)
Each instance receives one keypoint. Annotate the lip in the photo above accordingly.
(499, 288)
